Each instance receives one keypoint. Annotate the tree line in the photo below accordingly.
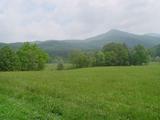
(112, 54)
(28, 57)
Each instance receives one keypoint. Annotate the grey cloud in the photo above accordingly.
(22, 20)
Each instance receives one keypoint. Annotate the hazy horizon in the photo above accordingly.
(37, 20)
(81, 39)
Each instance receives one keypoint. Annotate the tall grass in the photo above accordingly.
(107, 93)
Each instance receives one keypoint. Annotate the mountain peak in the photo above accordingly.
(113, 31)
(118, 32)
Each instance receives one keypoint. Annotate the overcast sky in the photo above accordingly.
(29, 20)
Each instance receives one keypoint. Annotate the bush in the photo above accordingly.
(157, 59)
(60, 65)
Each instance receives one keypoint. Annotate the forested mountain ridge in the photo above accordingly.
(63, 47)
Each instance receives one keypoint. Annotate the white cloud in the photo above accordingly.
(22, 20)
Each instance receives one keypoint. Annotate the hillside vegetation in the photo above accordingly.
(101, 93)
(64, 47)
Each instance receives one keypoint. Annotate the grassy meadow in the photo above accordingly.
(100, 93)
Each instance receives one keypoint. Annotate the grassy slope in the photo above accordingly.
(113, 93)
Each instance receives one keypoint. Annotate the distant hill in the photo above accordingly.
(153, 34)
(63, 47)
(124, 37)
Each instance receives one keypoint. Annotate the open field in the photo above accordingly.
(104, 93)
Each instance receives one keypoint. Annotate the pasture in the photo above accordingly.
(100, 93)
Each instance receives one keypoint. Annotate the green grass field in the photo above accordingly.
(104, 93)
